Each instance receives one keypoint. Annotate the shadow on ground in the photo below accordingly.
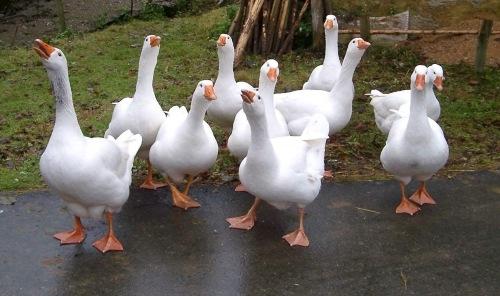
(358, 245)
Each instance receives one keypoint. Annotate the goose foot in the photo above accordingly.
(421, 196)
(297, 238)
(75, 236)
(150, 184)
(247, 221)
(407, 207)
(182, 200)
(109, 242)
(240, 188)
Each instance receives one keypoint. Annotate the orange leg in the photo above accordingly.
(406, 206)
(74, 236)
(298, 237)
(246, 221)
(240, 188)
(182, 199)
(328, 174)
(149, 183)
(109, 242)
(421, 196)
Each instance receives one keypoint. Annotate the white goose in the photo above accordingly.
(384, 104)
(323, 77)
(415, 147)
(336, 105)
(91, 175)
(239, 140)
(282, 171)
(185, 144)
(141, 114)
(228, 103)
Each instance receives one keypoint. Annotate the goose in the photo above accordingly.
(239, 140)
(383, 104)
(282, 171)
(336, 105)
(91, 175)
(323, 77)
(228, 103)
(416, 147)
(186, 145)
(141, 114)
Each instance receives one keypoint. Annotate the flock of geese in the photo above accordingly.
(279, 139)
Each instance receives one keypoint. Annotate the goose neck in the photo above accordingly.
(144, 86)
(331, 48)
(226, 60)
(418, 122)
(196, 113)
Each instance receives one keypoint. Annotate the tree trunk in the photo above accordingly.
(328, 6)
(364, 27)
(247, 29)
(60, 14)
(273, 20)
(282, 24)
(317, 12)
(236, 23)
(482, 45)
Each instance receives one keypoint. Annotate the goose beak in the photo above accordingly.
(221, 41)
(438, 82)
(247, 96)
(209, 93)
(43, 49)
(154, 41)
(363, 44)
(272, 74)
(329, 24)
(420, 81)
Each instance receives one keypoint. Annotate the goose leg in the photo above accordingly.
(246, 221)
(109, 242)
(421, 196)
(328, 174)
(74, 236)
(298, 237)
(240, 188)
(406, 206)
(149, 183)
(182, 199)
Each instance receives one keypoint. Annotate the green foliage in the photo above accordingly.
(223, 25)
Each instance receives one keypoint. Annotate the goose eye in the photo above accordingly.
(146, 39)
(59, 54)
(201, 85)
(353, 41)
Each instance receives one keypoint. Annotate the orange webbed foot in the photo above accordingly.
(150, 184)
(421, 196)
(245, 222)
(182, 200)
(297, 238)
(407, 207)
(108, 243)
(240, 188)
(75, 236)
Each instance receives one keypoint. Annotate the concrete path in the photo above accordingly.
(358, 245)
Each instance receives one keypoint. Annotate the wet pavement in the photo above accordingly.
(358, 245)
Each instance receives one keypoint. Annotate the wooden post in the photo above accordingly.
(273, 21)
(131, 7)
(60, 14)
(482, 45)
(289, 38)
(247, 29)
(364, 27)
(317, 14)
(235, 24)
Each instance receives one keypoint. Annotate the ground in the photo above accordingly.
(359, 246)
(103, 69)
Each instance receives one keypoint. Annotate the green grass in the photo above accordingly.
(103, 69)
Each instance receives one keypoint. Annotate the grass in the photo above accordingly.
(103, 69)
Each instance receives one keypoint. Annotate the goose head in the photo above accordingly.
(270, 71)
(253, 105)
(419, 78)
(331, 23)
(357, 45)
(225, 43)
(437, 77)
(53, 59)
(204, 92)
(150, 47)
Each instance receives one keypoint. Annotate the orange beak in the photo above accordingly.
(154, 41)
(363, 44)
(247, 96)
(43, 49)
(272, 74)
(438, 82)
(209, 93)
(222, 40)
(328, 24)
(420, 82)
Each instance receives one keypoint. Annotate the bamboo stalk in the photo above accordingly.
(289, 38)
(247, 28)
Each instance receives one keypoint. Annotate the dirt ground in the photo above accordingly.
(39, 20)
